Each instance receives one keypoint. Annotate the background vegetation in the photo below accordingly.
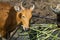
(39, 32)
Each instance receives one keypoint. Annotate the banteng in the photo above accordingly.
(11, 16)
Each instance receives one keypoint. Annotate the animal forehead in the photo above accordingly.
(26, 12)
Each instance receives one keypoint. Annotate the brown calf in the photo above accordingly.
(11, 16)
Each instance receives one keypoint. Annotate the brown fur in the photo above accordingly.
(9, 18)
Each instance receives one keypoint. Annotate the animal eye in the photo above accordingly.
(23, 16)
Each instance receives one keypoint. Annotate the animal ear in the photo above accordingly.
(32, 8)
(20, 15)
(17, 8)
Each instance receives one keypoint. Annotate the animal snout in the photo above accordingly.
(26, 29)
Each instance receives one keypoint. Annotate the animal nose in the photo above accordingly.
(27, 29)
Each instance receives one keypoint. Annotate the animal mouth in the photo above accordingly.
(25, 28)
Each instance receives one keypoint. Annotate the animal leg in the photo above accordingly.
(7, 36)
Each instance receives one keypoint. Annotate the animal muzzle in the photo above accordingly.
(25, 28)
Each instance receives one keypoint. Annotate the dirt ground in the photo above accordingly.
(42, 12)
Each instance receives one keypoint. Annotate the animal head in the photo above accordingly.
(57, 9)
(24, 15)
(58, 6)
